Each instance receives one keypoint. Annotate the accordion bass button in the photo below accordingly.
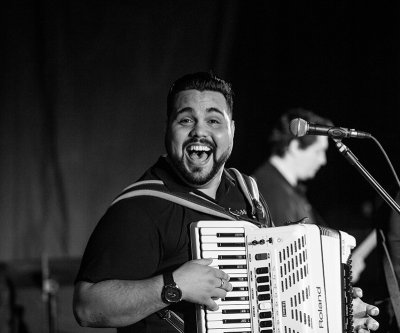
(265, 306)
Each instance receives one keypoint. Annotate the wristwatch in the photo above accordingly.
(170, 293)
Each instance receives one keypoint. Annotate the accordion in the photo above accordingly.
(289, 279)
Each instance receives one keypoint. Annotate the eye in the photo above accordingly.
(185, 121)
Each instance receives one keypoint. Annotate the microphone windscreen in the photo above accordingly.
(298, 127)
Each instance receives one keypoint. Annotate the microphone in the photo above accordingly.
(300, 127)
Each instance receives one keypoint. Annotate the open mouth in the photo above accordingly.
(198, 153)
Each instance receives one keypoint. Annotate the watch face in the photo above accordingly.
(172, 294)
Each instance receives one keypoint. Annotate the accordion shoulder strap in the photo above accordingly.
(157, 188)
(259, 208)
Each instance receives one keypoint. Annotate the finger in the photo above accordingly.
(219, 292)
(211, 305)
(357, 292)
(372, 310)
(223, 275)
(204, 261)
(220, 283)
(372, 324)
(224, 284)
(362, 330)
(227, 286)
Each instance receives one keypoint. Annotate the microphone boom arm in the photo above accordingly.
(352, 159)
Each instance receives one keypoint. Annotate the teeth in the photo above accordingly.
(199, 148)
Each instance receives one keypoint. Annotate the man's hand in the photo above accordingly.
(201, 283)
(362, 312)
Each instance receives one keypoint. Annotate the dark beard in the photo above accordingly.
(194, 177)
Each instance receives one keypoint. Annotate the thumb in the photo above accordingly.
(204, 261)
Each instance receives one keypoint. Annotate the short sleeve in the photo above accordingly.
(124, 244)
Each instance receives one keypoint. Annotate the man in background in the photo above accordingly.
(291, 161)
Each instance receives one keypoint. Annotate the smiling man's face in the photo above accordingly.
(199, 136)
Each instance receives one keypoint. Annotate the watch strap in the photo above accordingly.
(168, 279)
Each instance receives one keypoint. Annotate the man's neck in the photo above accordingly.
(285, 168)
(211, 188)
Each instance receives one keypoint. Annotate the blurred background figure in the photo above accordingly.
(388, 222)
(290, 162)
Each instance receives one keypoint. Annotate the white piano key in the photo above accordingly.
(239, 284)
(237, 294)
(217, 262)
(232, 330)
(216, 254)
(220, 324)
(214, 231)
(215, 239)
(221, 316)
(228, 307)
(221, 302)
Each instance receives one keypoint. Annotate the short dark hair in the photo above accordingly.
(280, 135)
(200, 81)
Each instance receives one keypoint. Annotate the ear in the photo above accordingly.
(293, 147)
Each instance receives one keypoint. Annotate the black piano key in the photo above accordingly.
(266, 315)
(224, 257)
(266, 323)
(227, 234)
(264, 297)
(262, 279)
(238, 278)
(232, 266)
(262, 270)
(230, 245)
(235, 321)
(238, 298)
(231, 311)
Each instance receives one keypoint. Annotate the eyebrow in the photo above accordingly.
(209, 110)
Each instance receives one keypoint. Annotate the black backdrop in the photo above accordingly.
(83, 89)
(83, 86)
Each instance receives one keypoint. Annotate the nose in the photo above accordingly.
(199, 129)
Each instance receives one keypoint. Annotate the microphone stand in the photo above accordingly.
(352, 159)
(390, 275)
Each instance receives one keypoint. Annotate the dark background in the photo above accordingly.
(83, 96)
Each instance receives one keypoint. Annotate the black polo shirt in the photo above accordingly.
(141, 237)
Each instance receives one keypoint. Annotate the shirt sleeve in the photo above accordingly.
(124, 245)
